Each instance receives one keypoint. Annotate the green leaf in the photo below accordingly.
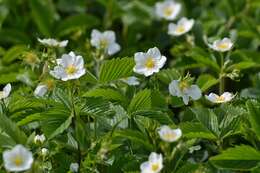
(242, 65)
(202, 57)
(154, 115)
(72, 23)
(141, 101)
(167, 75)
(11, 129)
(196, 130)
(43, 15)
(136, 137)
(208, 119)
(96, 107)
(239, 158)
(116, 69)
(107, 93)
(205, 81)
(14, 53)
(254, 116)
(61, 128)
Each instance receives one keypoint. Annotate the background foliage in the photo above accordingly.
(116, 128)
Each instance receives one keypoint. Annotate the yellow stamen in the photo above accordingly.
(155, 167)
(223, 46)
(71, 69)
(169, 136)
(103, 43)
(168, 11)
(149, 62)
(18, 161)
(220, 99)
(180, 29)
(183, 85)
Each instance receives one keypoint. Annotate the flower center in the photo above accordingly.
(149, 63)
(220, 99)
(169, 136)
(223, 46)
(155, 167)
(168, 11)
(71, 69)
(50, 84)
(18, 161)
(180, 29)
(183, 85)
(103, 43)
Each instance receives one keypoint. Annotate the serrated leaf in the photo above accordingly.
(141, 101)
(61, 128)
(116, 69)
(11, 129)
(206, 81)
(254, 116)
(196, 130)
(14, 53)
(107, 93)
(238, 158)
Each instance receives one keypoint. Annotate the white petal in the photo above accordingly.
(194, 92)
(228, 96)
(185, 99)
(6, 90)
(212, 97)
(110, 36)
(154, 53)
(174, 88)
(40, 90)
(95, 38)
(63, 43)
(113, 48)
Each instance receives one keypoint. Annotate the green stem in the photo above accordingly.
(75, 119)
(221, 77)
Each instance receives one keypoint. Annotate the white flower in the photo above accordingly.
(222, 45)
(169, 135)
(183, 25)
(74, 167)
(131, 80)
(18, 159)
(225, 97)
(6, 91)
(53, 43)
(44, 151)
(69, 67)
(167, 9)
(181, 88)
(194, 148)
(39, 139)
(105, 41)
(153, 165)
(40, 90)
(150, 62)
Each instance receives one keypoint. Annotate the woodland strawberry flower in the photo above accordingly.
(182, 88)
(153, 165)
(167, 9)
(132, 80)
(183, 26)
(169, 135)
(225, 97)
(40, 90)
(69, 67)
(105, 41)
(44, 151)
(74, 167)
(6, 91)
(150, 62)
(222, 45)
(39, 139)
(18, 159)
(53, 43)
